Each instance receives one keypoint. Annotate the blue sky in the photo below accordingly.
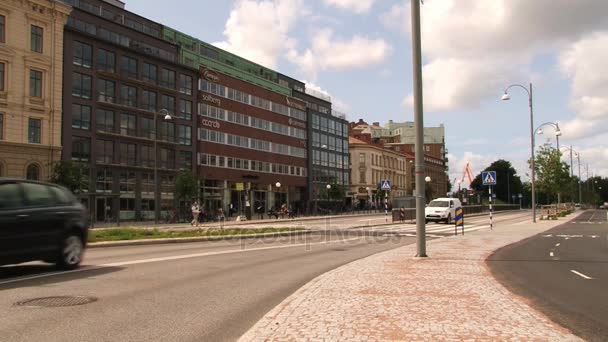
(359, 52)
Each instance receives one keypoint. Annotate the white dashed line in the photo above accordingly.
(581, 275)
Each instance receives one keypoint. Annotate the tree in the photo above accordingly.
(337, 191)
(508, 182)
(70, 175)
(552, 175)
(186, 185)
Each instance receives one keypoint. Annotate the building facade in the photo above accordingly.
(372, 162)
(31, 53)
(328, 157)
(252, 145)
(121, 79)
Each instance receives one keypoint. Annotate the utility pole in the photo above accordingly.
(418, 123)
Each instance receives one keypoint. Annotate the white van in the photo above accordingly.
(442, 209)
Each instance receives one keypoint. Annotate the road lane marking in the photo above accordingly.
(174, 257)
(557, 244)
(581, 275)
(551, 254)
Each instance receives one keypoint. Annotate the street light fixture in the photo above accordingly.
(555, 126)
(507, 97)
(166, 116)
(328, 186)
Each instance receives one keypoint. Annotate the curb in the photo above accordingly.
(144, 242)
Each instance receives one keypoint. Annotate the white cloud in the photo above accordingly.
(258, 30)
(329, 53)
(397, 17)
(357, 6)
(336, 103)
(474, 48)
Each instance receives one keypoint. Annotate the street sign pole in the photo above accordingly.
(491, 223)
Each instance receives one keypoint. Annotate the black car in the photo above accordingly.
(40, 221)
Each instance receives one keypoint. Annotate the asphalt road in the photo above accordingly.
(209, 291)
(564, 272)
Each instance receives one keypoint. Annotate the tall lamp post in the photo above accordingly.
(328, 186)
(166, 116)
(278, 185)
(555, 125)
(578, 159)
(506, 97)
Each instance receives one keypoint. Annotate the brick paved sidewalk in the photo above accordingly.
(394, 297)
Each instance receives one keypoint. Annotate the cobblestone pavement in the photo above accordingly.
(450, 296)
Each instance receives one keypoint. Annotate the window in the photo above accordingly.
(127, 154)
(185, 109)
(10, 196)
(104, 181)
(105, 120)
(81, 116)
(36, 38)
(106, 61)
(148, 100)
(167, 131)
(128, 125)
(105, 151)
(83, 55)
(2, 75)
(168, 103)
(128, 66)
(147, 156)
(81, 85)
(147, 128)
(185, 160)
(185, 135)
(106, 91)
(167, 158)
(81, 149)
(361, 159)
(33, 136)
(185, 84)
(128, 96)
(148, 72)
(33, 172)
(167, 78)
(35, 83)
(2, 29)
(1, 127)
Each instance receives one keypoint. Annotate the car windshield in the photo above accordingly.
(439, 204)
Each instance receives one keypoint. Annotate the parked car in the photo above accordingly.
(442, 209)
(40, 221)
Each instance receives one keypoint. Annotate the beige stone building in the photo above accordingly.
(370, 164)
(31, 59)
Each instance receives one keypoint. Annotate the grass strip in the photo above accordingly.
(125, 234)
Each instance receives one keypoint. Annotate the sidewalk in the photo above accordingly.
(394, 297)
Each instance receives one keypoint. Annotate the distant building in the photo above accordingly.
(31, 52)
(372, 161)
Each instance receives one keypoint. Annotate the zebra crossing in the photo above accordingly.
(433, 230)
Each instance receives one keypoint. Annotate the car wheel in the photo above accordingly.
(448, 220)
(71, 252)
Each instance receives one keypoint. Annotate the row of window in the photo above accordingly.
(329, 142)
(251, 165)
(104, 182)
(329, 159)
(252, 100)
(246, 142)
(329, 125)
(330, 176)
(34, 129)
(108, 13)
(317, 107)
(119, 39)
(387, 162)
(128, 153)
(106, 61)
(148, 99)
(249, 121)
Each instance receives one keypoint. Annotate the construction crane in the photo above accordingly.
(467, 173)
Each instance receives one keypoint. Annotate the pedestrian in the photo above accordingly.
(195, 212)
(402, 215)
(220, 214)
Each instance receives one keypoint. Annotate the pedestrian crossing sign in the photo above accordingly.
(488, 177)
(385, 185)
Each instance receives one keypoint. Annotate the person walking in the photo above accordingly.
(196, 210)
(402, 215)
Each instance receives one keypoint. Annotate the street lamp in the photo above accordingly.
(578, 159)
(369, 195)
(555, 126)
(507, 97)
(166, 116)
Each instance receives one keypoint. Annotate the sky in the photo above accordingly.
(359, 52)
